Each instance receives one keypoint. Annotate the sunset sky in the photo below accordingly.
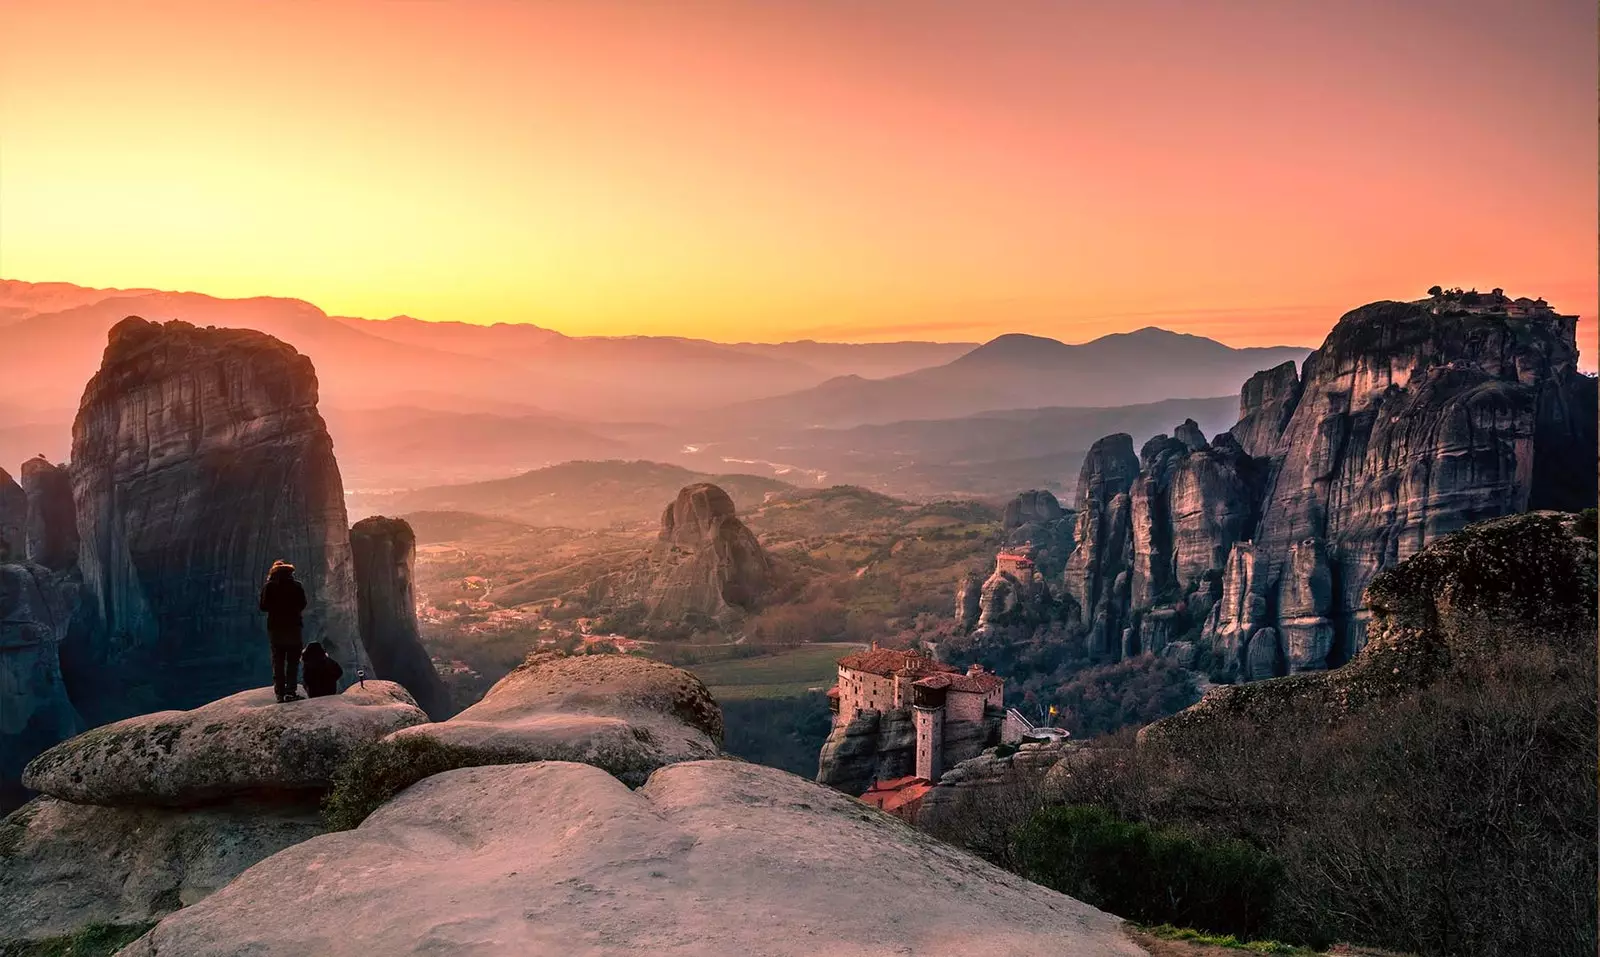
(832, 169)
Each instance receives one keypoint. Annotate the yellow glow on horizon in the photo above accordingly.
(786, 170)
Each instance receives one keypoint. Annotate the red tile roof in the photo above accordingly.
(833, 692)
(898, 794)
(883, 661)
(971, 684)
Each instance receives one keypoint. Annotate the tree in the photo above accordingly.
(1435, 291)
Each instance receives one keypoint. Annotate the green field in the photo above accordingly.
(781, 675)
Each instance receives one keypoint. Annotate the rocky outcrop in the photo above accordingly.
(624, 714)
(1187, 502)
(1007, 600)
(1502, 585)
(882, 745)
(384, 551)
(198, 458)
(13, 519)
(243, 745)
(1033, 507)
(1253, 551)
(66, 866)
(706, 561)
(556, 857)
(871, 746)
(969, 600)
(1035, 517)
(979, 784)
(1265, 404)
(1409, 426)
(1097, 571)
(35, 710)
(52, 523)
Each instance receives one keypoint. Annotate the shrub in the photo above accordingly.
(1149, 874)
(95, 940)
(379, 770)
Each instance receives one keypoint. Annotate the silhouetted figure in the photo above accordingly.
(321, 672)
(283, 600)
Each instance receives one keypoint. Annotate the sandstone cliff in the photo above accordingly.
(705, 561)
(1248, 556)
(384, 551)
(198, 458)
(882, 745)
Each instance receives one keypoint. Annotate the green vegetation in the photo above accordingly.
(381, 769)
(96, 940)
(1149, 873)
(782, 733)
(1434, 796)
(1169, 932)
(783, 674)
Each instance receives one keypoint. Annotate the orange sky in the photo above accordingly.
(808, 168)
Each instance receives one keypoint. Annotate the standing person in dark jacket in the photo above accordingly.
(283, 600)
(322, 673)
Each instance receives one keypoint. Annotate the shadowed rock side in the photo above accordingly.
(1036, 518)
(706, 561)
(384, 551)
(623, 714)
(35, 711)
(708, 858)
(151, 814)
(1248, 556)
(67, 866)
(52, 521)
(198, 459)
(13, 519)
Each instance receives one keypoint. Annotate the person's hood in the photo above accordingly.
(314, 650)
(281, 572)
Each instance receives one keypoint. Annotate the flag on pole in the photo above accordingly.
(1052, 711)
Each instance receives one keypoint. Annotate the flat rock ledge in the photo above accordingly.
(708, 858)
(625, 715)
(247, 744)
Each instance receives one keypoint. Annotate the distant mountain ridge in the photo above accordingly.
(1017, 371)
(586, 494)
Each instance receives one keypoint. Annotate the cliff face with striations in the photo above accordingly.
(198, 458)
(35, 711)
(1249, 555)
(385, 552)
(706, 561)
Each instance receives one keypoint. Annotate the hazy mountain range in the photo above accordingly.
(413, 403)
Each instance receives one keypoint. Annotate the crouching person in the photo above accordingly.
(322, 673)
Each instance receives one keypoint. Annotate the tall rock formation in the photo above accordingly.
(706, 561)
(1411, 421)
(198, 458)
(1036, 518)
(52, 522)
(385, 552)
(35, 711)
(13, 519)
(1097, 570)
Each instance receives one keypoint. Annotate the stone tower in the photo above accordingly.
(929, 719)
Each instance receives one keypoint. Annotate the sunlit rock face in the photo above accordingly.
(706, 560)
(199, 458)
(1409, 426)
(1257, 547)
